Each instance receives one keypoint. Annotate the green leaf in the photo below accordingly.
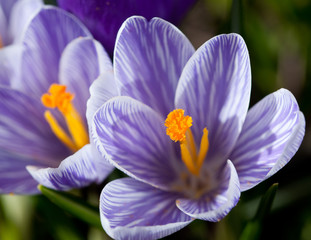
(74, 205)
(253, 228)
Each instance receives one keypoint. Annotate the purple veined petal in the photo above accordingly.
(14, 178)
(214, 89)
(132, 137)
(82, 61)
(105, 18)
(10, 57)
(148, 59)
(22, 13)
(130, 209)
(24, 131)
(217, 204)
(271, 135)
(45, 39)
(76, 171)
(101, 90)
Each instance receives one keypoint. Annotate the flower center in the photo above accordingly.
(178, 128)
(57, 97)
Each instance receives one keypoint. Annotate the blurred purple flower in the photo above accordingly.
(218, 150)
(104, 18)
(52, 144)
(15, 15)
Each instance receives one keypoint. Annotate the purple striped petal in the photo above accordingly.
(271, 135)
(45, 39)
(14, 178)
(76, 171)
(214, 90)
(130, 209)
(21, 15)
(216, 204)
(149, 58)
(24, 131)
(132, 136)
(82, 61)
(105, 18)
(101, 90)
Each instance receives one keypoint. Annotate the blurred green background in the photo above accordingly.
(278, 36)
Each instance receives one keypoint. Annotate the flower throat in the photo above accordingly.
(57, 97)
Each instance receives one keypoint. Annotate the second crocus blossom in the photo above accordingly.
(104, 18)
(15, 15)
(44, 132)
(182, 130)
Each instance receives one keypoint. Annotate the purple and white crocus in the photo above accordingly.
(43, 128)
(182, 130)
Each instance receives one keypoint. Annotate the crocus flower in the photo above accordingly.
(15, 15)
(42, 115)
(104, 18)
(182, 130)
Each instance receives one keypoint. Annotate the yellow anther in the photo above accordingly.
(178, 128)
(57, 97)
(177, 125)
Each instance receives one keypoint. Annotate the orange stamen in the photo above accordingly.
(57, 97)
(178, 128)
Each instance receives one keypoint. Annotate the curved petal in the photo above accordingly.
(14, 178)
(132, 136)
(148, 59)
(105, 18)
(24, 131)
(82, 61)
(214, 89)
(271, 135)
(22, 13)
(45, 39)
(130, 209)
(217, 204)
(101, 90)
(76, 171)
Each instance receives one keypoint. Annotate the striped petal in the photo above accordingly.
(14, 178)
(271, 135)
(149, 58)
(76, 171)
(214, 89)
(130, 209)
(82, 61)
(101, 90)
(45, 39)
(132, 136)
(24, 131)
(216, 204)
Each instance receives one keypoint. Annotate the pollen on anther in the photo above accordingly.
(57, 97)
(177, 125)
